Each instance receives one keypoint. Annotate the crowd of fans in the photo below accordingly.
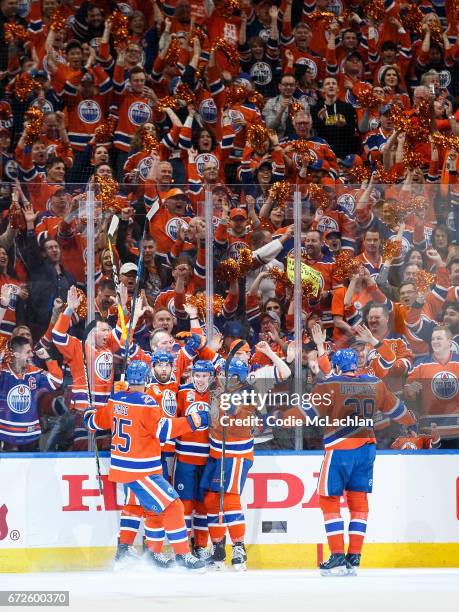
(163, 107)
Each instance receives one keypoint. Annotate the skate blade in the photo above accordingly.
(336, 571)
(352, 571)
(217, 566)
(240, 567)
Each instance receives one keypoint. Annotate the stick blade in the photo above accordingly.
(113, 226)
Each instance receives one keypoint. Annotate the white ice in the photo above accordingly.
(417, 590)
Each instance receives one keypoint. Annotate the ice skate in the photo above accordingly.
(239, 559)
(335, 566)
(190, 562)
(203, 553)
(352, 563)
(218, 558)
(159, 560)
(125, 555)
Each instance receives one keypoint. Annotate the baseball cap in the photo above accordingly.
(351, 160)
(272, 315)
(331, 233)
(38, 74)
(174, 193)
(238, 212)
(233, 329)
(128, 267)
(53, 189)
(319, 164)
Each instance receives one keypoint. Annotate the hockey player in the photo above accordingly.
(237, 456)
(20, 384)
(138, 428)
(350, 452)
(192, 452)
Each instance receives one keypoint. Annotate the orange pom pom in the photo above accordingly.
(34, 117)
(58, 19)
(103, 134)
(392, 249)
(346, 265)
(15, 32)
(423, 280)
(257, 98)
(281, 192)
(183, 92)
(23, 86)
(375, 10)
(5, 111)
(228, 270)
(120, 29)
(226, 47)
(108, 188)
(257, 135)
(167, 102)
(245, 260)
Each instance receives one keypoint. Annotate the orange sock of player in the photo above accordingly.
(130, 520)
(212, 503)
(234, 517)
(358, 508)
(201, 532)
(188, 505)
(174, 524)
(334, 524)
(154, 531)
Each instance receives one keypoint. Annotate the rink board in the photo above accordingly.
(52, 516)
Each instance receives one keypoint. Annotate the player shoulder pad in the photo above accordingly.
(147, 400)
(367, 378)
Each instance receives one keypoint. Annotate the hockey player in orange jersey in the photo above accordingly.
(138, 428)
(192, 452)
(350, 450)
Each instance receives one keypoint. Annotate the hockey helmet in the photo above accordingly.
(137, 373)
(345, 360)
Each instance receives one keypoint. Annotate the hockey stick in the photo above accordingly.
(136, 294)
(87, 331)
(229, 359)
(111, 232)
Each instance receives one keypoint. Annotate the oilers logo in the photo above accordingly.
(173, 225)
(374, 123)
(408, 445)
(445, 78)
(169, 403)
(208, 111)
(171, 307)
(204, 158)
(23, 8)
(347, 203)
(235, 249)
(197, 407)
(327, 224)
(351, 99)
(234, 115)
(405, 244)
(11, 169)
(261, 73)
(19, 399)
(305, 61)
(104, 365)
(46, 107)
(144, 167)
(51, 151)
(264, 34)
(89, 111)
(444, 385)
(335, 6)
(139, 113)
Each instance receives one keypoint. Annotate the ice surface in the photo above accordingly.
(141, 588)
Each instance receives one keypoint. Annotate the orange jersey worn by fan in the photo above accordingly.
(101, 356)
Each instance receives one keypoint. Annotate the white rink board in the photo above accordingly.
(415, 499)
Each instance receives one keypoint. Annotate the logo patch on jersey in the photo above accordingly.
(169, 403)
(261, 73)
(347, 202)
(445, 78)
(234, 115)
(144, 167)
(104, 365)
(89, 111)
(305, 61)
(19, 399)
(406, 246)
(444, 385)
(351, 99)
(11, 169)
(202, 159)
(409, 446)
(190, 396)
(139, 113)
(173, 225)
(235, 248)
(180, 486)
(46, 107)
(171, 307)
(208, 110)
(327, 224)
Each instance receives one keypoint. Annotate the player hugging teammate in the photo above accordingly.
(151, 416)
